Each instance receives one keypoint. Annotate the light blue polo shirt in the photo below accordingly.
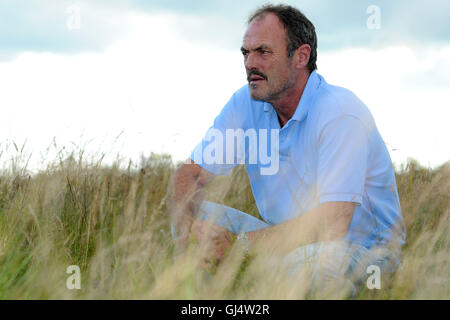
(329, 151)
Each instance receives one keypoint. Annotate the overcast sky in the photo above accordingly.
(135, 77)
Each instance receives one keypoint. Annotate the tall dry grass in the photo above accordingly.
(112, 221)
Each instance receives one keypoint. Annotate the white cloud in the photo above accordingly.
(164, 90)
(403, 92)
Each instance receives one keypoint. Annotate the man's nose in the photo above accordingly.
(251, 62)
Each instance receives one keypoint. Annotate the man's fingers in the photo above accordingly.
(215, 240)
(205, 227)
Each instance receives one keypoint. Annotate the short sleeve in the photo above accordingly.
(342, 160)
(212, 153)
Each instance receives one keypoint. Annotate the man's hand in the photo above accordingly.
(215, 240)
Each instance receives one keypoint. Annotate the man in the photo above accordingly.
(333, 190)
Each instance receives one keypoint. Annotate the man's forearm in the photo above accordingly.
(328, 222)
(186, 194)
(284, 237)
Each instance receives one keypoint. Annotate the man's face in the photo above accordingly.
(269, 70)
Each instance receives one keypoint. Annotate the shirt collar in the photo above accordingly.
(308, 95)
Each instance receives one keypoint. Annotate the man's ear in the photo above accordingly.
(302, 55)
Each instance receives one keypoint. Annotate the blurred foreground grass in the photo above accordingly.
(112, 222)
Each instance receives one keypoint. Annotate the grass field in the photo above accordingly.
(112, 222)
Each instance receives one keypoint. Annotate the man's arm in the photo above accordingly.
(187, 184)
(329, 222)
(343, 150)
(186, 195)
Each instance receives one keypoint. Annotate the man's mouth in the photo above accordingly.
(255, 77)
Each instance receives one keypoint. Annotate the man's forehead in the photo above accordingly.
(264, 30)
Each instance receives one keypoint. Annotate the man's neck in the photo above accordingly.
(287, 105)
